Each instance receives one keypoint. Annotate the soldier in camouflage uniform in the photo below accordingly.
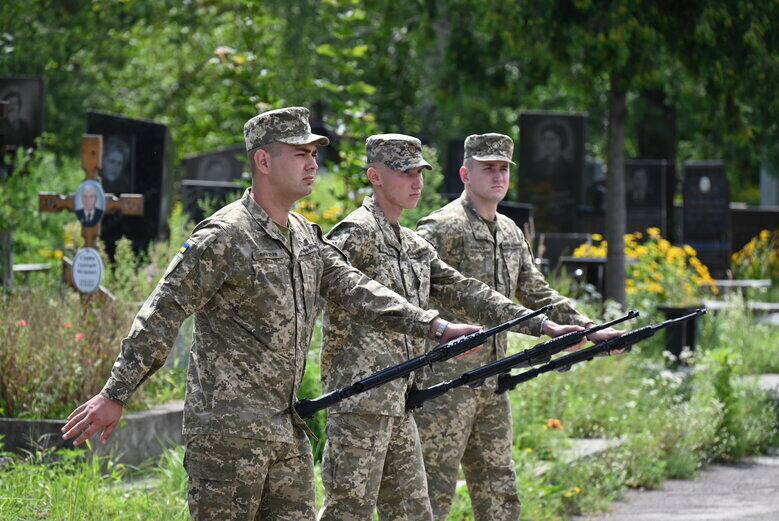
(373, 454)
(469, 426)
(252, 275)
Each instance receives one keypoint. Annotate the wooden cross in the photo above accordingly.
(91, 159)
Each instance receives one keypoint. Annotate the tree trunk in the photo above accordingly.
(615, 196)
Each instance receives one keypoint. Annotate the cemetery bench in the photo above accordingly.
(745, 284)
(755, 307)
(26, 269)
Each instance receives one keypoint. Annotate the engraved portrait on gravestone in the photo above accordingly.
(89, 203)
(215, 168)
(25, 98)
(117, 172)
(553, 157)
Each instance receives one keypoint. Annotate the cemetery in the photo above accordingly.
(646, 178)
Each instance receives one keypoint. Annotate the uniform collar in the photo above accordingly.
(387, 231)
(478, 227)
(263, 219)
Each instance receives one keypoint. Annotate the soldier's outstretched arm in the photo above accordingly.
(191, 280)
(472, 299)
(533, 289)
(370, 302)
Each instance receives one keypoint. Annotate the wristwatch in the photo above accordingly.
(439, 332)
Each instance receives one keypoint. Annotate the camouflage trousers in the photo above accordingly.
(373, 461)
(472, 428)
(250, 480)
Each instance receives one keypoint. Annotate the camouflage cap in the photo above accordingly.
(489, 147)
(288, 125)
(397, 151)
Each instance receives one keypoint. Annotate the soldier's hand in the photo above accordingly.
(92, 416)
(453, 331)
(606, 334)
(553, 329)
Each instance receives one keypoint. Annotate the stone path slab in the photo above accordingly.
(747, 490)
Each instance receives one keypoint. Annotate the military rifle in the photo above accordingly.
(621, 343)
(538, 354)
(457, 346)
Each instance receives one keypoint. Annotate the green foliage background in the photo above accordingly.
(437, 68)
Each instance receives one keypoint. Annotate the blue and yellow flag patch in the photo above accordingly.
(184, 248)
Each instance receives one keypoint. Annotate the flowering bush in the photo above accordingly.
(658, 271)
(759, 258)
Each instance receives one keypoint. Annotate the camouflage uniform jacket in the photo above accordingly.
(255, 301)
(411, 267)
(503, 262)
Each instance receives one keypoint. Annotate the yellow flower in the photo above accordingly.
(568, 494)
(577, 489)
(689, 250)
(653, 232)
(765, 235)
(45, 253)
(58, 254)
(528, 449)
(597, 237)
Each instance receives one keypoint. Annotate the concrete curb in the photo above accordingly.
(140, 436)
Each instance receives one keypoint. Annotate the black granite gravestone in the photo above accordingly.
(26, 97)
(211, 177)
(645, 200)
(455, 149)
(552, 246)
(592, 198)
(224, 164)
(747, 222)
(551, 164)
(706, 214)
(520, 213)
(137, 158)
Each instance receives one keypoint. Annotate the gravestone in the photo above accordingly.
(137, 158)
(592, 197)
(769, 184)
(215, 194)
(645, 191)
(212, 176)
(551, 167)
(520, 213)
(26, 98)
(552, 246)
(453, 185)
(706, 214)
(747, 222)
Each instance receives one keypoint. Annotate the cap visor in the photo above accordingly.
(306, 140)
(408, 165)
(493, 158)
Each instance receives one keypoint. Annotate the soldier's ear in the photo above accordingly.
(464, 174)
(373, 176)
(261, 159)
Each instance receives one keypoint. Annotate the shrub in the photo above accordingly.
(659, 272)
(759, 258)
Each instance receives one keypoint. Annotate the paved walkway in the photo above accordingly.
(747, 490)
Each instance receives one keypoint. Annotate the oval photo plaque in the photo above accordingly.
(87, 270)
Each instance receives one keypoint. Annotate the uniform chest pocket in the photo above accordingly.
(511, 254)
(311, 267)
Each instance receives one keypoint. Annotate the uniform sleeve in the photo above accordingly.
(473, 300)
(534, 291)
(366, 300)
(191, 280)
